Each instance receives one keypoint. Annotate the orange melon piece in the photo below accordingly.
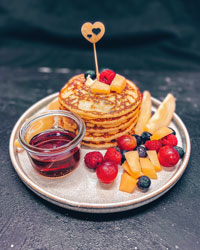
(118, 83)
(128, 183)
(17, 144)
(152, 154)
(145, 113)
(100, 87)
(132, 158)
(39, 126)
(160, 133)
(162, 117)
(148, 168)
(54, 105)
(128, 170)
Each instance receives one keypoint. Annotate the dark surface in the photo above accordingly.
(28, 222)
(140, 34)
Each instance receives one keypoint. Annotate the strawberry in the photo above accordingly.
(113, 155)
(153, 145)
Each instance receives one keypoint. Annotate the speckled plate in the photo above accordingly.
(81, 190)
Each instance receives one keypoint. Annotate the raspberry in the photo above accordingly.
(92, 159)
(107, 76)
(169, 140)
(113, 155)
(153, 145)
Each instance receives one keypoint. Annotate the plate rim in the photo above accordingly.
(96, 207)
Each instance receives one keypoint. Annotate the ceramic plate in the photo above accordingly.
(81, 190)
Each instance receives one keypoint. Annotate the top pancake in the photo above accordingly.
(78, 98)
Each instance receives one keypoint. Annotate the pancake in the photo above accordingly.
(107, 137)
(100, 145)
(107, 122)
(77, 97)
(106, 116)
(114, 130)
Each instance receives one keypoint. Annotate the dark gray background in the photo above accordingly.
(140, 34)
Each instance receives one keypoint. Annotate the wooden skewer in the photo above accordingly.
(96, 62)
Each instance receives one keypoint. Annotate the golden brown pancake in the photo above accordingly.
(107, 116)
(78, 98)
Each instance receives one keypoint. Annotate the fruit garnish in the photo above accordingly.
(129, 171)
(100, 87)
(39, 126)
(118, 84)
(113, 155)
(173, 131)
(163, 115)
(148, 168)
(145, 113)
(168, 156)
(143, 183)
(142, 151)
(91, 74)
(123, 155)
(145, 136)
(89, 82)
(160, 133)
(128, 183)
(92, 159)
(107, 76)
(127, 168)
(17, 144)
(152, 154)
(132, 158)
(127, 142)
(117, 148)
(54, 105)
(153, 145)
(170, 140)
(180, 151)
(107, 171)
(138, 138)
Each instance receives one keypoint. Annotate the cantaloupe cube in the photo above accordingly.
(17, 144)
(148, 168)
(152, 154)
(100, 87)
(132, 159)
(118, 83)
(128, 170)
(160, 133)
(128, 183)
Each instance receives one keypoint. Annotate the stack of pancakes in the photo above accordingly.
(106, 116)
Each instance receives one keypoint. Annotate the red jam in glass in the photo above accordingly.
(54, 164)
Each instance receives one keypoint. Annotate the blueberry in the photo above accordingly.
(174, 132)
(142, 151)
(180, 151)
(117, 148)
(145, 137)
(123, 155)
(90, 73)
(143, 183)
(139, 139)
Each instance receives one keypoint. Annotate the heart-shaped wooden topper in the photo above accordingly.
(93, 32)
